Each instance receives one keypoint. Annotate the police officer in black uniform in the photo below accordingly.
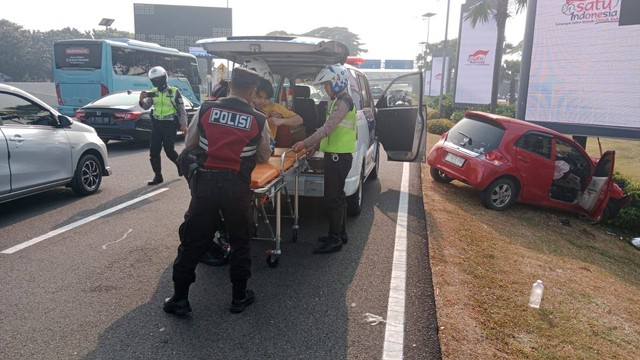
(234, 137)
(168, 115)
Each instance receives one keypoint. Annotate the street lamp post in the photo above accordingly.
(426, 48)
(106, 23)
(444, 54)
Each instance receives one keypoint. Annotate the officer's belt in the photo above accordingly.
(164, 117)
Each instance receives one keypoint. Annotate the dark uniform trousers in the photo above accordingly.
(163, 134)
(214, 192)
(336, 169)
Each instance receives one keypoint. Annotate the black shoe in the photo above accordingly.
(214, 259)
(333, 244)
(177, 307)
(179, 169)
(156, 180)
(344, 237)
(238, 306)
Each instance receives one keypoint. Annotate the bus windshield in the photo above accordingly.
(86, 70)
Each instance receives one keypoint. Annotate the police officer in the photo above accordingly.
(337, 138)
(168, 109)
(234, 136)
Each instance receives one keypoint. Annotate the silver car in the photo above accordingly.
(41, 149)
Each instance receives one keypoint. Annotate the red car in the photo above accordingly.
(512, 160)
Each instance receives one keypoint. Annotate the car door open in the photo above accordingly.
(400, 122)
(595, 196)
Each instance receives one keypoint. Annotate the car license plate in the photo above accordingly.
(99, 120)
(454, 159)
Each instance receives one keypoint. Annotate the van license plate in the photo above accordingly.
(454, 159)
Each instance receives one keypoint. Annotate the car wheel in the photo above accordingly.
(88, 176)
(439, 176)
(499, 195)
(354, 202)
(376, 167)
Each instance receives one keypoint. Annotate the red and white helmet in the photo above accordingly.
(336, 75)
(258, 65)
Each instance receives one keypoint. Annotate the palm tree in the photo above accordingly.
(500, 11)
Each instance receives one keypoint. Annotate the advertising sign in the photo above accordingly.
(436, 76)
(585, 66)
(180, 26)
(477, 53)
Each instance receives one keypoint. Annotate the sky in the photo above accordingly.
(388, 30)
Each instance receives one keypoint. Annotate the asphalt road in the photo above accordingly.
(95, 291)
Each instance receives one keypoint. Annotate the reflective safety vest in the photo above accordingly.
(343, 138)
(163, 104)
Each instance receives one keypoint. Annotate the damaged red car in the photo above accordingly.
(511, 160)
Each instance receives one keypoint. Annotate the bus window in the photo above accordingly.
(81, 56)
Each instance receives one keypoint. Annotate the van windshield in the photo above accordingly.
(477, 136)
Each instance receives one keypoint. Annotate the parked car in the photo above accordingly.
(118, 116)
(295, 61)
(512, 160)
(41, 149)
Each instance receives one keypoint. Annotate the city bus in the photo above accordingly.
(87, 69)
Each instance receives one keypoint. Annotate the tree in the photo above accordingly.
(342, 34)
(500, 11)
(511, 72)
(14, 42)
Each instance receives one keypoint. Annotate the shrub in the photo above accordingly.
(439, 126)
(629, 217)
(432, 113)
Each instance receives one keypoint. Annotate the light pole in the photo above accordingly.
(106, 23)
(444, 54)
(426, 48)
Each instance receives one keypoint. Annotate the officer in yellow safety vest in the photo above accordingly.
(337, 139)
(168, 115)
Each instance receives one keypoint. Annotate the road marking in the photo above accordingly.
(117, 241)
(394, 330)
(80, 222)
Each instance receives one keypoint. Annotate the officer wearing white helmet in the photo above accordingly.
(168, 115)
(337, 139)
(258, 65)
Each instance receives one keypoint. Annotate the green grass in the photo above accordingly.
(627, 154)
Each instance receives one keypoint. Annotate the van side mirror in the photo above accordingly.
(64, 121)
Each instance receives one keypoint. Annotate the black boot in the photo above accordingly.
(344, 237)
(343, 230)
(178, 304)
(334, 242)
(157, 169)
(241, 296)
(179, 167)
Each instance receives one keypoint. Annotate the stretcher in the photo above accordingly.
(267, 185)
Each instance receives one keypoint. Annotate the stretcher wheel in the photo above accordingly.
(272, 261)
(294, 235)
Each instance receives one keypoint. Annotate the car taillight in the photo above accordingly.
(495, 157)
(81, 115)
(127, 116)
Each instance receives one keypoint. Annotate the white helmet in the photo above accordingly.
(157, 72)
(336, 75)
(258, 65)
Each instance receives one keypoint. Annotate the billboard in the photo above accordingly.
(584, 71)
(477, 54)
(436, 76)
(398, 64)
(180, 26)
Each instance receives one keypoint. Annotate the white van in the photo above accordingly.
(294, 63)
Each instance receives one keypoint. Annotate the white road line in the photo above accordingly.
(394, 330)
(79, 222)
